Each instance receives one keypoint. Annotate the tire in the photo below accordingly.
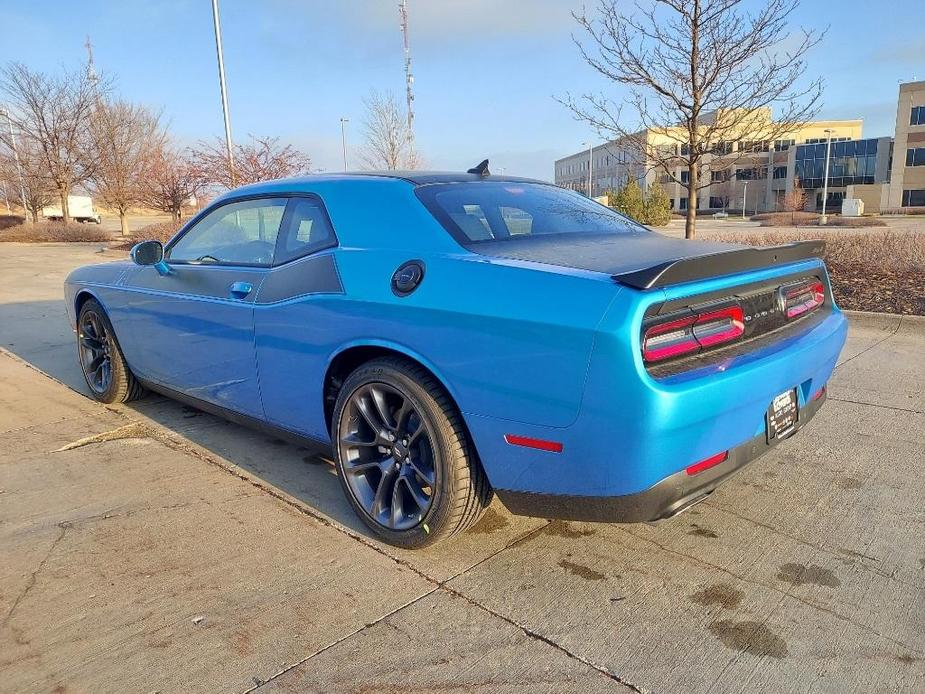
(438, 465)
(105, 371)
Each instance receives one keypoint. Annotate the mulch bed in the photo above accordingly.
(863, 289)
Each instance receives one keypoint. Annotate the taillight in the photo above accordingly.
(803, 298)
(670, 340)
(716, 327)
(691, 333)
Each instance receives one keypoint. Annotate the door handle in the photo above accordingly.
(239, 290)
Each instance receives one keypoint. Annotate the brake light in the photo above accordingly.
(691, 333)
(804, 298)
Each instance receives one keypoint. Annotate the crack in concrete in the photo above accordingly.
(33, 577)
(259, 682)
(874, 404)
(876, 344)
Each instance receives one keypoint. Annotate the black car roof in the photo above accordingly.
(425, 177)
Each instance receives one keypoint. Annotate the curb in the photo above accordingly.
(874, 316)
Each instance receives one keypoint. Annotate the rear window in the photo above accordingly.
(496, 210)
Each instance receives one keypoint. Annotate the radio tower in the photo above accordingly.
(409, 78)
(92, 77)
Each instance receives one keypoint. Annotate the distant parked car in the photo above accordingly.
(80, 208)
(448, 336)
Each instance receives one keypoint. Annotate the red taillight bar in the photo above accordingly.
(691, 333)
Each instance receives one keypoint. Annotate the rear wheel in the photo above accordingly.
(403, 456)
(101, 360)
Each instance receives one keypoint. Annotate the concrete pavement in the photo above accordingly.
(156, 548)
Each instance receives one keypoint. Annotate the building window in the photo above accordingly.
(918, 116)
(753, 174)
(685, 149)
(715, 202)
(780, 172)
(783, 145)
(685, 176)
(720, 176)
(914, 198)
(721, 147)
(850, 163)
(915, 157)
(682, 203)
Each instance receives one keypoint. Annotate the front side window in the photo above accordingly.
(915, 156)
(495, 210)
(239, 233)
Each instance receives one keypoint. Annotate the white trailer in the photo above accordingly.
(80, 208)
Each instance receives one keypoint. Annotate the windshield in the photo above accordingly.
(498, 210)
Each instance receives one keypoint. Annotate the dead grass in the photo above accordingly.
(54, 232)
(800, 219)
(870, 271)
(162, 231)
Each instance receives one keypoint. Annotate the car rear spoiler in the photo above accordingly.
(716, 264)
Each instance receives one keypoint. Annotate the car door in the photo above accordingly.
(192, 329)
(296, 319)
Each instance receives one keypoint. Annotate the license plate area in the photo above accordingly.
(783, 415)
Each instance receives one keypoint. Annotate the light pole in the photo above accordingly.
(221, 83)
(343, 139)
(744, 195)
(22, 184)
(590, 164)
(825, 181)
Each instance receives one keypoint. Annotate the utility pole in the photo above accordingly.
(825, 183)
(744, 195)
(221, 82)
(22, 182)
(343, 139)
(409, 78)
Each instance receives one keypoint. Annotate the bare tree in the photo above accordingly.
(262, 159)
(704, 75)
(53, 114)
(172, 179)
(35, 184)
(794, 200)
(127, 140)
(387, 136)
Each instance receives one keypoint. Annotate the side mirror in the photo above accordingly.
(147, 253)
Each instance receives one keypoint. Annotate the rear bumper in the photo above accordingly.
(668, 497)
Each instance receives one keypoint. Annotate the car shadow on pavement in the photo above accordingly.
(38, 332)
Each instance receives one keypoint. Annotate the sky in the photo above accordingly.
(487, 72)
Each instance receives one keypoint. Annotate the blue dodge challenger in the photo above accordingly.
(447, 337)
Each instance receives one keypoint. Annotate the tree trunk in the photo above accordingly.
(123, 222)
(176, 214)
(35, 215)
(65, 210)
(690, 226)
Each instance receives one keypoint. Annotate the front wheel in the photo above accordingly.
(101, 360)
(403, 455)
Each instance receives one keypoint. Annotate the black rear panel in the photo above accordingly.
(764, 318)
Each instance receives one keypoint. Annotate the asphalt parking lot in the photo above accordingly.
(157, 548)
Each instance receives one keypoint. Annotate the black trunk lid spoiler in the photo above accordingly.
(727, 262)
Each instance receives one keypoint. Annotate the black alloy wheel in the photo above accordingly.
(95, 349)
(388, 456)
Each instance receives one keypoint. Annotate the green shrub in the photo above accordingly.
(657, 207)
(629, 201)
